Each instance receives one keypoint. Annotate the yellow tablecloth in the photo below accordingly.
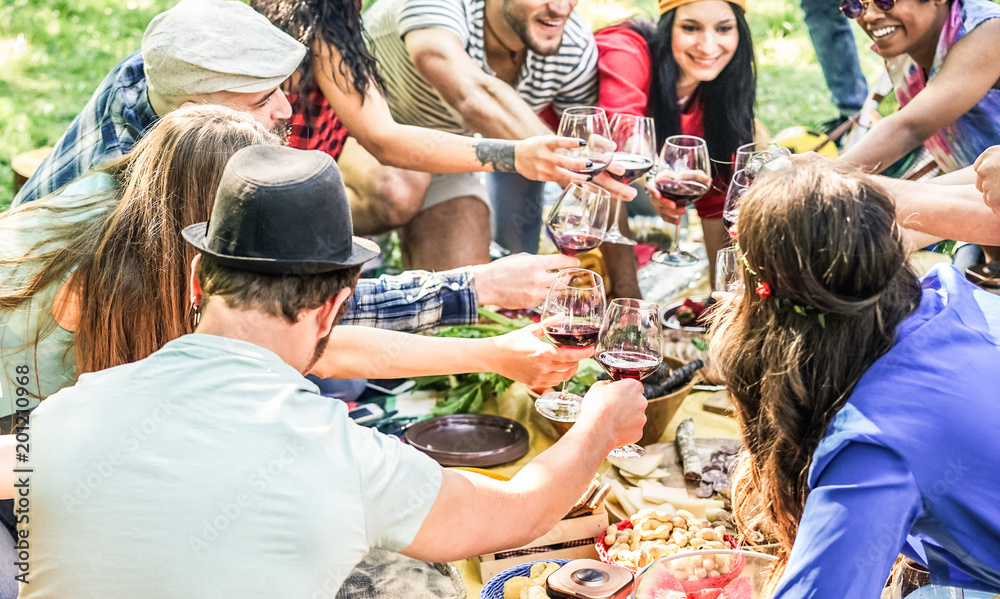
(516, 404)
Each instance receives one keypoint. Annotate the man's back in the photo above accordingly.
(211, 469)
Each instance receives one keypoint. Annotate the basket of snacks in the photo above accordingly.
(521, 581)
(649, 535)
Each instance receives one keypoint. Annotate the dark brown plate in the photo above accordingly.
(669, 318)
(477, 440)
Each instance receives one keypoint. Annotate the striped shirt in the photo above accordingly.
(565, 79)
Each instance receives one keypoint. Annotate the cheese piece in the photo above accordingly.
(638, 467)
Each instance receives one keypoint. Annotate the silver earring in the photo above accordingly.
(196, 313)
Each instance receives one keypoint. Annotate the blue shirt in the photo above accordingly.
(117, 115)
(910, 463)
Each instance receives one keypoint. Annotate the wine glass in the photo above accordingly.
(630, 347)
(737, 187)
(635, 151)
(578, 219)
(910, 579)
(756, 154)
(727, 270)
(571, 317)
(684, 175)
(590, 124)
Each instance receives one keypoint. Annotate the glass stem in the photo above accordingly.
(563, 393)
(614, 224)
(675, 244)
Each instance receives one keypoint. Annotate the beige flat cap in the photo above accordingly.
(206, 46)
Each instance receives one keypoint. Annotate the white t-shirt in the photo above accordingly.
(565, 79)
(211, 469)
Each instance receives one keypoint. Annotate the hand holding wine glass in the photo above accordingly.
(578, 219)
(683, 177)
(571, 318)
(590, 124)
(737, 187)
(635, 142)
(630, 347)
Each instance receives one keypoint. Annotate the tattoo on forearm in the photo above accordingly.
(500, 154)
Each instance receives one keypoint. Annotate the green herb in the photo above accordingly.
(465, 393)
(699, 343)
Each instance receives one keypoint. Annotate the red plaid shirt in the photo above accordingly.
(326, 133)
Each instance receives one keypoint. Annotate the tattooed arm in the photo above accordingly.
(370, 122)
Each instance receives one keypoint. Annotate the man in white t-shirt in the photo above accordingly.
(213, 468)
(490, 67)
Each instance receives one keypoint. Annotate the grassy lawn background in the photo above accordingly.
(54, 53)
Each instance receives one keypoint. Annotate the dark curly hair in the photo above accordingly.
(337, 23)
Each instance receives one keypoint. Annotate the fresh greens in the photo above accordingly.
(465, 393)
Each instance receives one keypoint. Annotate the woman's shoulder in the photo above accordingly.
(620, 36)
(976, 12)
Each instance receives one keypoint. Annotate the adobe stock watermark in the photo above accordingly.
(131, 441)
(882, 541)
(230, 512)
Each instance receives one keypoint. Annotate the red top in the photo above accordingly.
(625, 68)
(326, 133)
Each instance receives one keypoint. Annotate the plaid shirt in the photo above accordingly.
(414, 301)
(325, 133)
(116, 116)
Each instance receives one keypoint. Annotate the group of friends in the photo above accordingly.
(187, 253)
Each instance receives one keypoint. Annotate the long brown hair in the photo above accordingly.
(131, 264)
(827, 282)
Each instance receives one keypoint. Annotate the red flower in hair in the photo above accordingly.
(764, 290)
(733, 231)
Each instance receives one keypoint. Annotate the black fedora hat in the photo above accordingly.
(279, 210)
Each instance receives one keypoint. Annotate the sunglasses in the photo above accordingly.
(853, 9)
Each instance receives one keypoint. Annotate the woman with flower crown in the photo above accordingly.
(868, 399)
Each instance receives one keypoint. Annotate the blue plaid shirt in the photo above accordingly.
(414, 301)
(117, 115)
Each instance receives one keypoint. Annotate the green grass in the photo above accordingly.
(54, 53)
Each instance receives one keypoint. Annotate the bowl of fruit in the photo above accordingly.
(687, 314)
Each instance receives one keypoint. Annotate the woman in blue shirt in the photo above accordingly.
(869, 399)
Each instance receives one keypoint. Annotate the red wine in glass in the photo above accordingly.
(628, 364)
(635, 166)
(574, 335)
(573, 244)
(594, 170)
(681, 192)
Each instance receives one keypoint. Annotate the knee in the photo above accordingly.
(398, 196)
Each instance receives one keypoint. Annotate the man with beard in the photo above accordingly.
(490, 67)
(212, 468)
(200, 51)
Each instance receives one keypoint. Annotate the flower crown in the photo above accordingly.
(763, 290)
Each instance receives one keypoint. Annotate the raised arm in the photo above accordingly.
(474, 514)
(487, 104)
(417, 148)
(944, 211)
(363, 352)
(971, 69)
